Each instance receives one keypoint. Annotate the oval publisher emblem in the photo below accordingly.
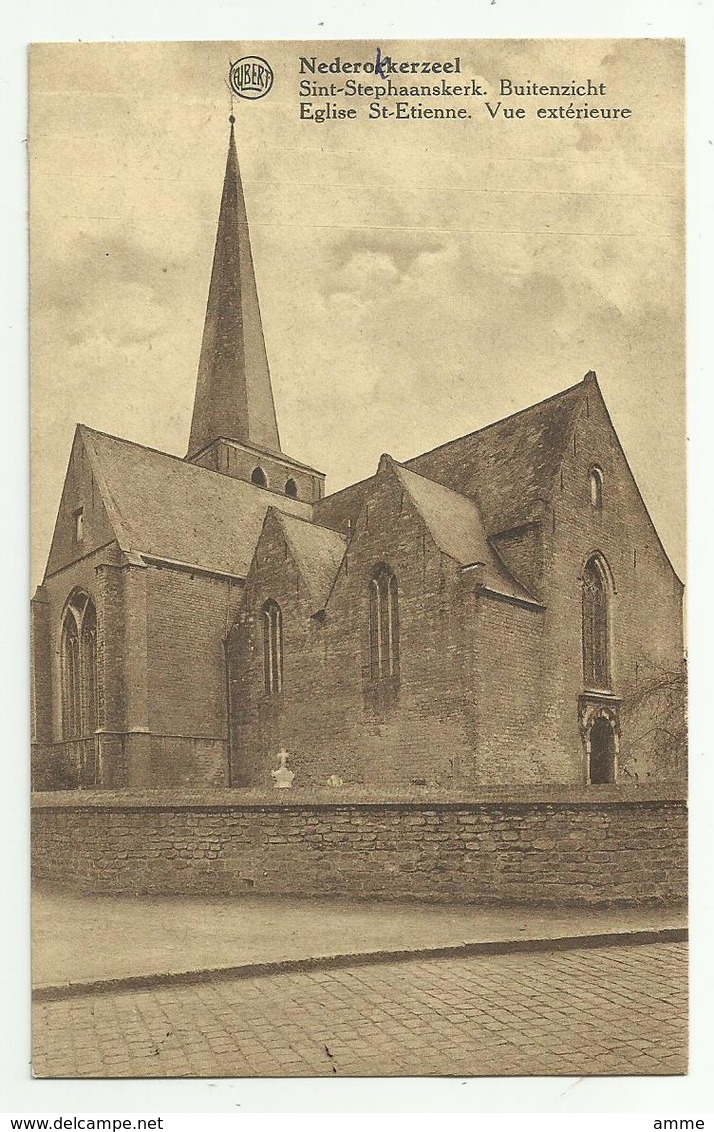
(251, 77)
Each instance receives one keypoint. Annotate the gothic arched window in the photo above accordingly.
(78, 649)
(259, 477)
(596, 485)
(291, 489)
(596, 625)
(272, 624)
(383, 625)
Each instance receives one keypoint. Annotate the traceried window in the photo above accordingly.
(272, 625)
(383, 625)
(596, 485)
(596, 625)
(79, 667)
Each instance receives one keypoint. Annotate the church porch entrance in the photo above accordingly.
(600, 731)
(602, 752)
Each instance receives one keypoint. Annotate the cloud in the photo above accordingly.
(403, 248)
(93, 273)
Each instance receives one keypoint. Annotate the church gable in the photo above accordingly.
(451, 522)
(510, 466)
(296, 556)
(389, 528)
(317, 553)
(294, 560)
(83, 523)
(166, 508)
(596, 488)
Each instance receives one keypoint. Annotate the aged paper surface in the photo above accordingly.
(358, 661)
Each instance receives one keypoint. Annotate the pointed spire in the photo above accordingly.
(234, 397)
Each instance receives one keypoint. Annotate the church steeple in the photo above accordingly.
(234, 397)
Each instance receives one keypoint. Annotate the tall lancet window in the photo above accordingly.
(78, 650)
(596, 625)
(272, 623)
(596, 486)
(383, 625)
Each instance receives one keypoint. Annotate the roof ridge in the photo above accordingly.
(437, 483)
(144, 447)
(110, 504)
(401, 471)
(197, 467)
(466, 436)
(258, 451)
(478, 519)
(308, 522)
(301, 559)
(347, 487)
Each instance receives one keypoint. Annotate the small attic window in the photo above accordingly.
(259, 477)
(596, 485)
(78, 521)
(291, 489)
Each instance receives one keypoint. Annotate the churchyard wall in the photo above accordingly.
(597, 846)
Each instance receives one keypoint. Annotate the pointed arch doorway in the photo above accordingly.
(600, 731)
(603, 752)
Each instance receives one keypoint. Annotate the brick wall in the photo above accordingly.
(94, 574)
(40, 669)
(514, 744)
(558, 848)
(80, 491)
(522, 551)
(646, 605)
(232, 459)
(188, 615)
(488, 692)
(161, 671)
(329, 717)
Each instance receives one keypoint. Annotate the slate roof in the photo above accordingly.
(457, 528)
(318, 552)
(162, 506)
(343, 506)
(507, 466)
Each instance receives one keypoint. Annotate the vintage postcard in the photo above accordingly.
(358, 479)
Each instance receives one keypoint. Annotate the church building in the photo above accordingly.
(478, 616)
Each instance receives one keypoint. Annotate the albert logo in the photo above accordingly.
(251, 77)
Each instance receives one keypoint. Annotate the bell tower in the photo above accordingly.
(234, 429)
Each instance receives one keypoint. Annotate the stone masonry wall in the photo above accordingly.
(550, 851)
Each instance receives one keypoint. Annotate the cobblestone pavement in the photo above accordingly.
(611, 1010)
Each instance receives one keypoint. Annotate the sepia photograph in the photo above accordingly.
(358, 658)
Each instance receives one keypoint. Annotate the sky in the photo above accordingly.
(417, 279)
